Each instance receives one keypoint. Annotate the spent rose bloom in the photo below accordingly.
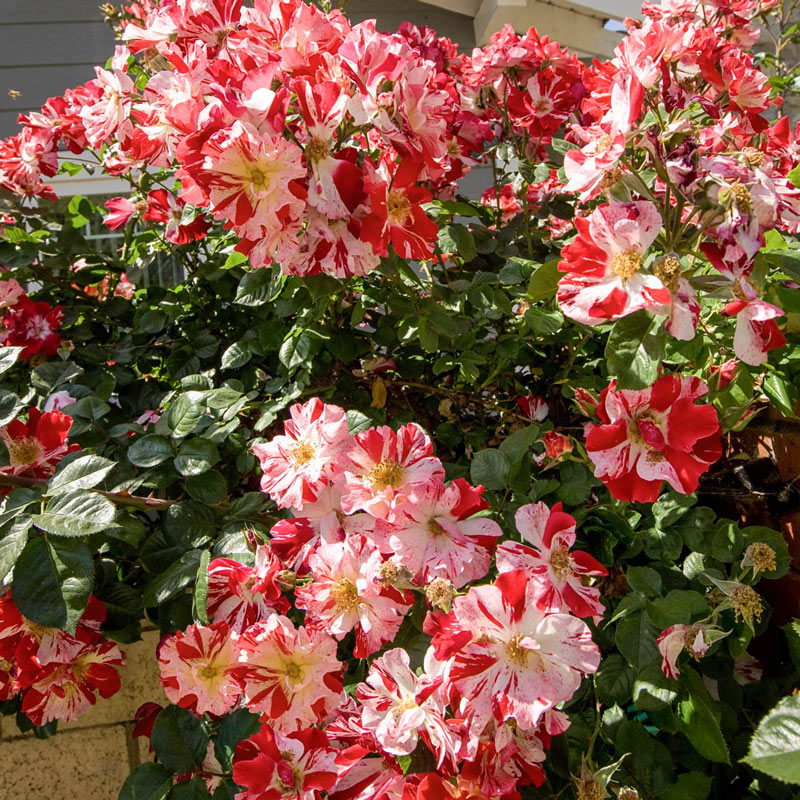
(199, 668)
(10, 293)
(58, 400)
(756, 330)
(298, 465)
(534, 407)
(674, 640)
(120, 211)
(549, 534)
(653, 435)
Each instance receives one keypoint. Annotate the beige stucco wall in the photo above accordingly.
(87, 759)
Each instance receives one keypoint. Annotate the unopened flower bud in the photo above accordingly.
(252, 538)
(286, 579)
(586, 401)
(556, 445)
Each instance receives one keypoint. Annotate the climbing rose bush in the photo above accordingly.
(426, 494)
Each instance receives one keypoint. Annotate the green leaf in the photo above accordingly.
(680, 605)
(8, 357)
(12, 544)
(195, 789)
(150, 450)
(16, 502)
(10, 405)
(357, 422)
(644, 580)
(82, 473)
(192, 521)
(152, 321)
(52, 581)
(210, 487)
(652, 690)
(543, 323)
(248, 505)
(775, 746)
(544, 282)
(196, 456)
(76, 514)
(489, 467)
(650, 760)
(575, 485)
(635, 350)
(457, 237)
(562, 145)
(236, 727)
(200, 596)
(636, 640)
(614, 679)
(259, 286)
(80, 211)
(689, 786)
(237, 355)
(781, 392)
(184, 414)
(173, 580)
(698, 718)
(179, 739)
(147, 782)
(519, 443)
(296, 350)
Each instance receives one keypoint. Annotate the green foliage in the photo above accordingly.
(179, 739)
(775, 747)
(221, 353)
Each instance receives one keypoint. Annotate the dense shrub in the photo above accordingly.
(429, 496)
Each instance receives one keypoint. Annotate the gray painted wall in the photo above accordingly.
(47, 46)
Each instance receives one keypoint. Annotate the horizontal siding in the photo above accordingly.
(8, 122)
(36, 84)
(55, 43)
(48, 11)
(389, 15)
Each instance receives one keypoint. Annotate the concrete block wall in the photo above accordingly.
(92, 756)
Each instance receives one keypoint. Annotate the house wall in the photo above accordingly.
(92, 756)
(47, 46)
